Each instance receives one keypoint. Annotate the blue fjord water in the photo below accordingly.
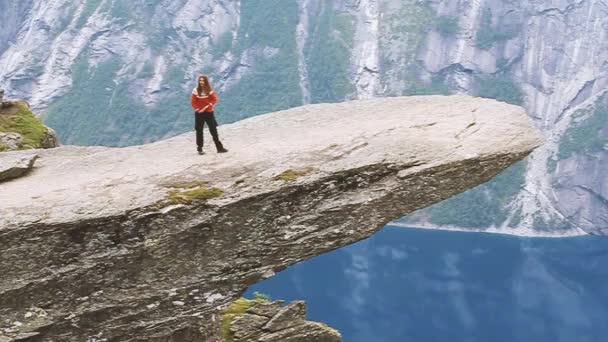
(428, 285)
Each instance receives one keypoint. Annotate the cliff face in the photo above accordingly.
(117, 73)
(551, 57)
(148, 242)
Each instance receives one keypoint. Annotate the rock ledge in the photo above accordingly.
(95, 246)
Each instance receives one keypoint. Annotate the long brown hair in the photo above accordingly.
(203, 89)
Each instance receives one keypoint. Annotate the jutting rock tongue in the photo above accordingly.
(151, 242)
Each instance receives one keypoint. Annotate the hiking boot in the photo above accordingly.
(222, 150)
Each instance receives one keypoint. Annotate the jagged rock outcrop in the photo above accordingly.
(50, 139)
(271, 322)
(13, 165)
(147, 243)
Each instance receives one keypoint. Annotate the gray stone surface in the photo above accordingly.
(305, 332)
(11, 141)
(15, 164)
(266, 309)
(83, 239)
(246, 325)
(50, 139)
(287, 317)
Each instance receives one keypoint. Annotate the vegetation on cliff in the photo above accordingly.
(18, 118)
(483, 206)
(585, 134)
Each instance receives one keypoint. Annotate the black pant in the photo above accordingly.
(199, 123)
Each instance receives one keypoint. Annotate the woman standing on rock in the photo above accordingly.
(203, 99)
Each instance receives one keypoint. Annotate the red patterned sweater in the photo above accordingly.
(203, 103)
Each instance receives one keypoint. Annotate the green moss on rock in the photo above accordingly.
(291, 175)
(198, 194)
(18, 118)
(187, 193)
(239, 307)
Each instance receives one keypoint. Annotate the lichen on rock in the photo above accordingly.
(291, 175)
(187, 193)
(188, 196)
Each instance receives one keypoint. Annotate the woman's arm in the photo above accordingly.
(193, 102)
